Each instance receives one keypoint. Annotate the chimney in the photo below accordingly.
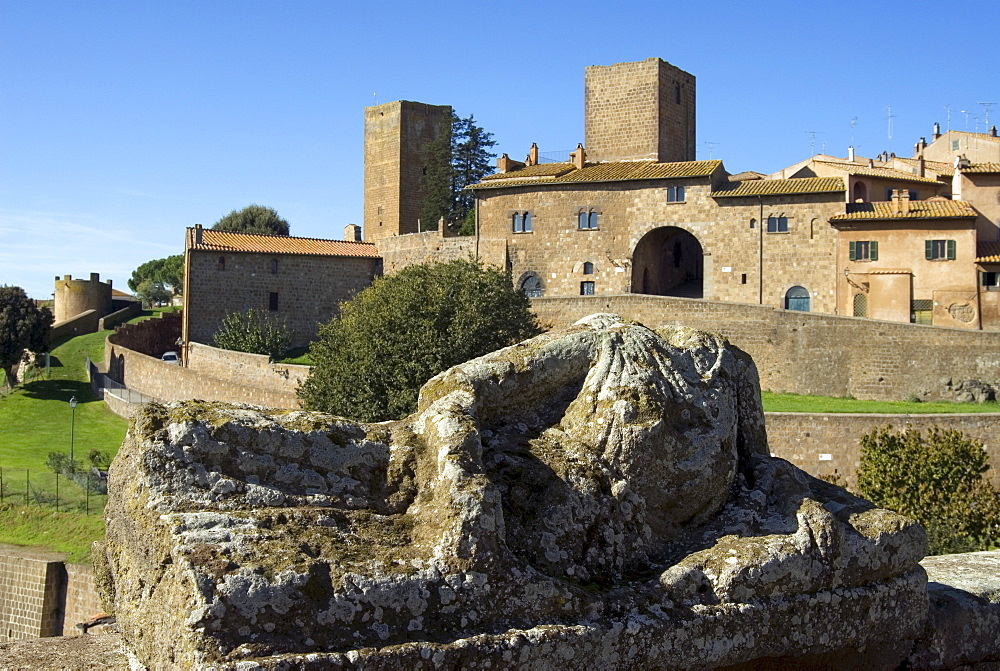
(197, 234)
(901, 201)
(533, 154)
(850, 154)
(352, 233)
(937, 130)
(579, 157)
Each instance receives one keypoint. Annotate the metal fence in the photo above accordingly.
(84, 491)
(101, 383)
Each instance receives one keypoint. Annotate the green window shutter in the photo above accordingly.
(928, 249)
(874, 250)
(854, 251)
(951, 250)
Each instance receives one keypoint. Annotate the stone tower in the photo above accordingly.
(643, 110)
(396, 135)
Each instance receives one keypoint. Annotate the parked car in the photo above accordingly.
(171, 357)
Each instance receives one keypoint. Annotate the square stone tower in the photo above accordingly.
(396, 135)
(643, 110)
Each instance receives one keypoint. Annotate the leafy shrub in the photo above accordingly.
(254, 331)
(937, 479)
(370, 362)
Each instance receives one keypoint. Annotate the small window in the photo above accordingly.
(588, 220)
(797, 298)
(588, 268)
(586, 288)
(990, 281)
(272, 301)
(860, 305)
(863, 250)
(675, 194)
(922, 311)
(777, 224)
(222, 263)
(521, 222)
(274, 266)
(939, 250)
(532, 286)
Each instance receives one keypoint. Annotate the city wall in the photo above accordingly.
(809, 353)
(40, 595)
(825, 445)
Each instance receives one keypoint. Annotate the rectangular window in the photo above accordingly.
(864, 250)
(675, 194)
(777, 224)
(586, 288)
(991, 281)
(272, 301)
(939, 250)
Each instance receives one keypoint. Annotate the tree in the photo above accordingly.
(255, 219)
(458, 157)
(168, 272)
(254, 331)
(936, 479)
(24, 327)
(370, 362)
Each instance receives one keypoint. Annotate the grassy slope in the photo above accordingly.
(35, 420)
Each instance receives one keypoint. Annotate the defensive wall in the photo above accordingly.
(824, 445)
(40, 595)
(400, 251)
(132, 358)
(809, 353)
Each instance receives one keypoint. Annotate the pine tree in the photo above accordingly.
(460, 156)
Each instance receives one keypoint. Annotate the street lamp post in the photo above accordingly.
(72, 426)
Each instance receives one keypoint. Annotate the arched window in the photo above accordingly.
(797, 298)
(531, 285)
(860, 305)
(588, 268)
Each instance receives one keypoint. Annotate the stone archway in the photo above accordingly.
(668, 261)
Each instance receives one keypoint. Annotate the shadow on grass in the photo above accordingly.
(59, 390)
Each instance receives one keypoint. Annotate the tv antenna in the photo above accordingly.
(812, 140)
(987, 107)
(890, 116)
(711, 148)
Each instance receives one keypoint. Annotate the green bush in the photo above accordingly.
(370, 363)
(254, 331)
(937, 479)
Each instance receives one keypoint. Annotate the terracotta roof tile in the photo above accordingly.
(919, 209)
(988, 252)
(884, 173)
(224, 241)
(776, 187)
(983, 168)
(611, 171)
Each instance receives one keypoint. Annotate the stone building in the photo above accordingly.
(301, 281)
(631, 212)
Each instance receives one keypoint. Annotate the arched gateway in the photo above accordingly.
(668, 261)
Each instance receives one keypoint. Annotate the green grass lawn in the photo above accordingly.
(801, 403)
(35, 419)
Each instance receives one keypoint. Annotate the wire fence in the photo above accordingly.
(100, 383)
(83, 491)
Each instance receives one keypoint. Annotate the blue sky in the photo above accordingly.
(122, 123)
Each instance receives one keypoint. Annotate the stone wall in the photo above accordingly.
(212, 375)
(827, 444)
(304, 290)
(807, 353)
(30, 595)
(85, 322)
